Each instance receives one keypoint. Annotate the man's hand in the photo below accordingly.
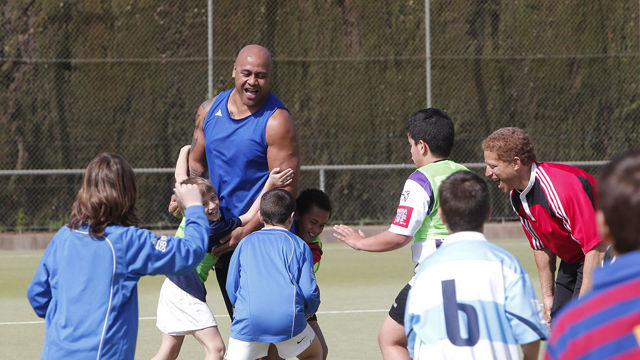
(547, 304)
(348, 235)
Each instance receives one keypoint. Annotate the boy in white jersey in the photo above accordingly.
(471, 299)
(430, 133)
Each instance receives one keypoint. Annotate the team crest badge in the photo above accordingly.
(160, 243)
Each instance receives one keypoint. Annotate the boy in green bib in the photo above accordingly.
(430, 133)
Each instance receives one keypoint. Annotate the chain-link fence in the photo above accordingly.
(82, 77)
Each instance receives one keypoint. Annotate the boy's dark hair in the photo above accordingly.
(464, 200)
(435, 128)
(619, 191)
(276, 206)
(312, 197)
(107, 196)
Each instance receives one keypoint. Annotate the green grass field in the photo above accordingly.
(357, 289)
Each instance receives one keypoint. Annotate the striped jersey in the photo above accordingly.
(417, 212)
(471, 299)
(557, 210)
(605, 323)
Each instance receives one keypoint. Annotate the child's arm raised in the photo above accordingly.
(277, 179)
(181, 172)
(182, 164)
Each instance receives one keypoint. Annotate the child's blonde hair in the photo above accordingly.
(203, 184)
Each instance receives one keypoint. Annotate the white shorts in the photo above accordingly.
(179, 313)
(245, 350)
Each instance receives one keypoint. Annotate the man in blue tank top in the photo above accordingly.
(240, 135)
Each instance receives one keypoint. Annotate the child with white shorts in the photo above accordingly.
(182, 308)
(272, 286)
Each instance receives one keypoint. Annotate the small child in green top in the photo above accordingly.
(182, 307)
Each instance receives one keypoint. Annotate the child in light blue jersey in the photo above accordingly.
(471, 299)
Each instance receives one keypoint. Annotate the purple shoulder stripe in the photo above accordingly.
(422, 180)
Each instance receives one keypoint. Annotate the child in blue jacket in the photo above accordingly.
(86, 284)
(272, 286)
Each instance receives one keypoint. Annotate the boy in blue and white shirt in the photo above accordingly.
(272, 286)
(471, 298)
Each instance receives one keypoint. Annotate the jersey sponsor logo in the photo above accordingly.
(160, 243)
(403, 216)
(218, 113)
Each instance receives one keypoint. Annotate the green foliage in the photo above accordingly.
(22, 220)
(54, 225)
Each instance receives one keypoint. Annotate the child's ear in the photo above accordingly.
(260, 217)
(424, 148)
(291, 216)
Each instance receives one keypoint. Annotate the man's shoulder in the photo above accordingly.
(562, 180)
(209, 103)
(279, 118)
(558, 171)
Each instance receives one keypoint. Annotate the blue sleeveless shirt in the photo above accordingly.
(236, 151)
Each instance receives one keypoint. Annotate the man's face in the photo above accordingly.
(501, 171)
(252, 74)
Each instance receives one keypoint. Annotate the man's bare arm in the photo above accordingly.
(282, 146)
(197, 157)
(546, 263)
(592, 260)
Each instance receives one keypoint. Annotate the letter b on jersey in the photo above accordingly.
(452, 320)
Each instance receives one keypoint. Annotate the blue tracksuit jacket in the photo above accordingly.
(86, 288)
(272, 286)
